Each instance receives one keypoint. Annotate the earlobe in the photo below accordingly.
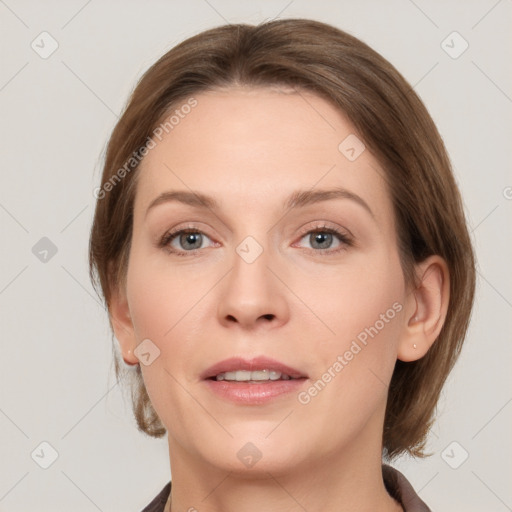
(427, 306)
(123, 326)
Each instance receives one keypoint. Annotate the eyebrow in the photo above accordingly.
(297, 199)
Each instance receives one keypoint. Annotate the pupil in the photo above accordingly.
(191, 238)
(325, 236)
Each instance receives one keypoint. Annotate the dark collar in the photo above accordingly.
(402, 491)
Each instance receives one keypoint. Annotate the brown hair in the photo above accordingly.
(394, 125)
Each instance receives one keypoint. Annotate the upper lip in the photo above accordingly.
(256, 363)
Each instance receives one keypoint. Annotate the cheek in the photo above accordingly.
(350, 384)
(363, 308)
(361, 300)
(167, 304)
(161, 311)
(152, 305)
(159, 295)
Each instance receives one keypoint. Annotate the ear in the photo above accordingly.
(426, 308)
(122, 324)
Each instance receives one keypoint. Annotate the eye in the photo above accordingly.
(188, 240)
(322, 238)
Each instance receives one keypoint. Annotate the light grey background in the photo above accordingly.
(57, 384)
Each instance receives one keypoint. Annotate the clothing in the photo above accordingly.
(158, 504)
(396, 484)
(402, 491)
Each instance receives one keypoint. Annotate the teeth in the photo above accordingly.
(258, 375)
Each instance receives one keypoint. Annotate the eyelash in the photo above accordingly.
(345, 240)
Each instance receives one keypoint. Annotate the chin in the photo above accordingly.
(253, 454)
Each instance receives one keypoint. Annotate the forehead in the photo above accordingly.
(248, 146)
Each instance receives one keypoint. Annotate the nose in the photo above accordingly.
(252, 295)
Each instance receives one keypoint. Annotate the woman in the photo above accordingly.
(284, 255)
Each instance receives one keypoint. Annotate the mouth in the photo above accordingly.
(252, 382)
(256, 376)
(258, 369)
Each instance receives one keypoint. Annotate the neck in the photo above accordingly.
(342, 481)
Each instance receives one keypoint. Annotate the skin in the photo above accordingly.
(249, 149)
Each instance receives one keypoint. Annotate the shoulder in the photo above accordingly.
(158, 503)
(400, 488)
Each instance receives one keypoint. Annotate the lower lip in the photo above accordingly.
(252, 393)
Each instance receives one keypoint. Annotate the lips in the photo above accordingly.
(257, 363)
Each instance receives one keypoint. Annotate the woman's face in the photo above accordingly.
(262, 274)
